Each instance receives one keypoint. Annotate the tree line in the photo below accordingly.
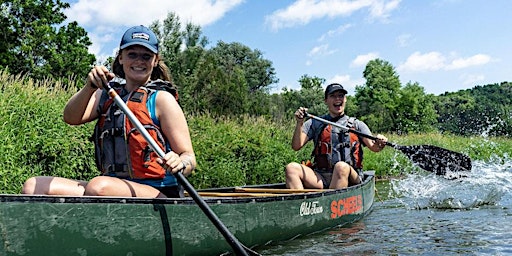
(231, 79)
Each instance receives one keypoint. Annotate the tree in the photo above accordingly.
(180, 49)
(232, 79)
(228, 79)
(258, 72)
(310, 95)
(454, 110)
(377, 100)
(190, 59)
(171, 40)
(415, 110)
(220, 92)
(36, 44)
(387, 107)
(183, 52)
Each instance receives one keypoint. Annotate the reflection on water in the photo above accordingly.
(345, 236)
(425, 214)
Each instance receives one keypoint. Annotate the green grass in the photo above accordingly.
(230, 151)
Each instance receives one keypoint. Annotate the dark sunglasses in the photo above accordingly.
(143, 56)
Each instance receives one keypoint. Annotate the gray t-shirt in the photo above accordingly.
(312, 126)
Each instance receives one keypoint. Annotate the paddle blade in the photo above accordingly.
(436, 159)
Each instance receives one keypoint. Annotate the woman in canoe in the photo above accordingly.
(128, 165)
(338, 154)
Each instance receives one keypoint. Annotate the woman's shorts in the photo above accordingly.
(172, 192)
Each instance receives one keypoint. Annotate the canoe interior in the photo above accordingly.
(64, 225)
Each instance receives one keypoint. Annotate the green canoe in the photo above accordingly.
(256, 215)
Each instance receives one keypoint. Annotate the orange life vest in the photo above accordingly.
(120, 149)
(332, 147)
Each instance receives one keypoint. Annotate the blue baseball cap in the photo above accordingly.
(139, 35)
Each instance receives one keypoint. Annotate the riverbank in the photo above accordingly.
(231, 151)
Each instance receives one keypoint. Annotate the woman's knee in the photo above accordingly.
(29, 187)
(293, 168)
(98, 186)
(342, 168)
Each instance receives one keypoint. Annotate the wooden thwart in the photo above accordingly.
(234, 194)
(279, 190)
(258, 192)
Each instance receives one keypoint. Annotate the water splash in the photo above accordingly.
(486, 184)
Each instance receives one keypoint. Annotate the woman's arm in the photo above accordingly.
(373, 145)
(299, 138)
(175, 128)
(376, 145)
(81, 108)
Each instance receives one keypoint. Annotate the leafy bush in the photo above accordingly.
(234, 152)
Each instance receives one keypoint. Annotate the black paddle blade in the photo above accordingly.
(436, 159)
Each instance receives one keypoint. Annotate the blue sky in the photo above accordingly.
(444, 45)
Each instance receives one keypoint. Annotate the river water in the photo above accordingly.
(425, 214)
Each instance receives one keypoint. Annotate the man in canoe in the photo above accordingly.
(129, 167)
(337, 154)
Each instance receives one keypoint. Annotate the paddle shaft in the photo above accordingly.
(230, 238)
(348, 129)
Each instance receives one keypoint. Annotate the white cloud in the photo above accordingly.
(423, 62)
(434, 61)
(382, 9)
(126, 13)
(346, 81)
(334, 32)
(321, 50)
(341, 79)
(362, 60)
(99, 40)
(107, 20)
(475, 60)
(302, 12)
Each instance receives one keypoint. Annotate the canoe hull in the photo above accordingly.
(35, 225)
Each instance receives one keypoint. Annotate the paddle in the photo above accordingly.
(427, 157)
(238, 248)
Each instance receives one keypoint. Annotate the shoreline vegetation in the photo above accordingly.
(231, 151)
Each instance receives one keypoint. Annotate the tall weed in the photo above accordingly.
(36, 139)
